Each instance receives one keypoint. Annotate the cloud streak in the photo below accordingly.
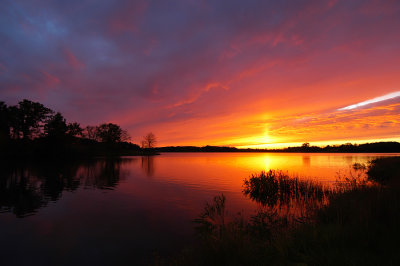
(371, 101)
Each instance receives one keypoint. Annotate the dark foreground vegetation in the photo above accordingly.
(31, 130)
(387, 147)
(357, 225)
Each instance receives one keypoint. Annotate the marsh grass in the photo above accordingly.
(292, 198)
(354, 178)
(231, 240)
(283, 203)
(359, 226)
(384, 170)
(355, 223)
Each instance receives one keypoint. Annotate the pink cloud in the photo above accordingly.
(72, 60)
(49, 79)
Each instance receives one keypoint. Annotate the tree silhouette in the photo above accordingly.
(74, 130)
(31, 129)
(56, 127)
(149, 141)
(110, 133)
(4, 122)
(90, 132)
(125, 136)
(305, 145)
(28, 119)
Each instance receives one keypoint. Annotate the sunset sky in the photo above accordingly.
(237, 73)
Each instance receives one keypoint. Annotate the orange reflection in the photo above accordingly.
(226, 171)
(187, 180)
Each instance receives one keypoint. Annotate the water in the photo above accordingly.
(124, 211)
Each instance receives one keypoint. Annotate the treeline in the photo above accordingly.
(197, 149)
(348, 148)
(32, 129)
(389, 147)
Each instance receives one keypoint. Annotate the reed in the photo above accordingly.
(357, 225)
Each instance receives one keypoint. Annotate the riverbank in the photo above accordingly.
(359, 226)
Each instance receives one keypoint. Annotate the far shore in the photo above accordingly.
(377, 147)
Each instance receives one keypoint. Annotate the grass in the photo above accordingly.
(385, 170)
(293, 197)
(283, 202)
(358, 225)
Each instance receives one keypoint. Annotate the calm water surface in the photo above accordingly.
(121, 211)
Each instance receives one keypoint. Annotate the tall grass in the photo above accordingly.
(283, 203)
(384, 170)
(282, 200)
(291, 197)
(356, 223)
(231, 240)
(360, 226)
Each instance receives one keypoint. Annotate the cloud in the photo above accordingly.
(375, 122)
(72, 60)
(371, 101)
(202, 71)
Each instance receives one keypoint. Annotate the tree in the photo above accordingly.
(305, 145)
(14, 123)
(149, 141)
(110, 133)
(74, 129)
(56, 127)
(4, 121)
(28, 119)
(90, 132)
(125, 137)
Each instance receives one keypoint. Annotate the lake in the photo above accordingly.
(128, 210)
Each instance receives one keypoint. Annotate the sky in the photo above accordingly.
(235, 73)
